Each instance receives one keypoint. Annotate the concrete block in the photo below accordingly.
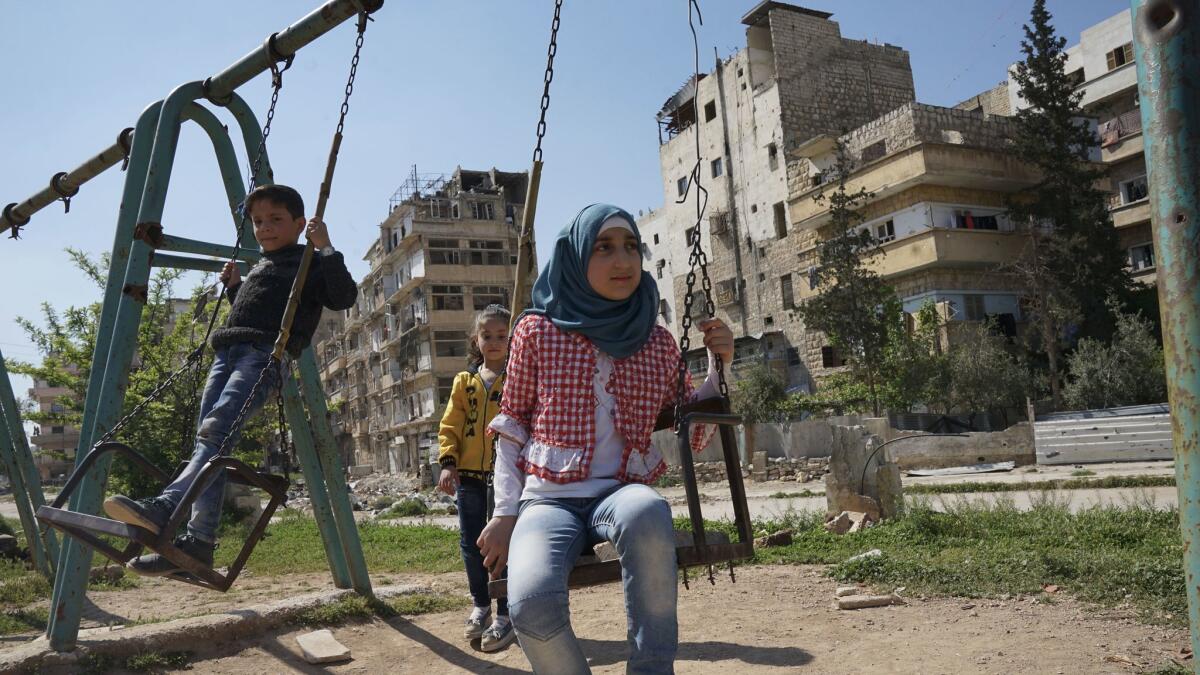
(320, 647)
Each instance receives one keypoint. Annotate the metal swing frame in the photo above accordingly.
(147, 153)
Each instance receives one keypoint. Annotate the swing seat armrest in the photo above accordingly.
(715, 405)
(94, 455)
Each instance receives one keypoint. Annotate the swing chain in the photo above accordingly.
(188, 364)
(698, 258)
(550, 52)
(286, 445)
(363, 18)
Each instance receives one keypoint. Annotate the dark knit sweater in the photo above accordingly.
(259, 301)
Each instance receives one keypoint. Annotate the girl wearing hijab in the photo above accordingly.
(588, 372)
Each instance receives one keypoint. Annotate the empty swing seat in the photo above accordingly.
(92, 530)
(698, 547)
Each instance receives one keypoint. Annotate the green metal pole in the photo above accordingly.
(181, 262)
(314, 480)
(1166, 38)
(335, 475)
(64, 621)
(24, 484)
(71, 587)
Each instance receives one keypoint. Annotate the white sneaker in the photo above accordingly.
(498, 636)
(475, 625)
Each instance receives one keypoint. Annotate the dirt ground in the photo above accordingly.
(775, 619)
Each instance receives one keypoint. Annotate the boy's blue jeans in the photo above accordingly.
(549, 536)
(234, 371)
(474, 501)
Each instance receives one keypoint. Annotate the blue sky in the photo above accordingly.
(441, 84)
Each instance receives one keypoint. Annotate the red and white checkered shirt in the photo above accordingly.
(548, 393)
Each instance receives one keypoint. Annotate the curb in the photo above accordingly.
(188, 634)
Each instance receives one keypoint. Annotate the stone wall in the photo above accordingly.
(924, 451)
(994, 101)
(914, 123)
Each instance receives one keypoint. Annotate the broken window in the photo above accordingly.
(659, 267)
(772, 156)
(780, 220)
(655, 237)
(717, 169)
(710, 111)
(1141, 257)
(1120, 56)
(450, 342)
(444, 252)
(973, 307)
(1134, 190)
(885, 231)
(830, 358)
(482, 296)
(786, 292)
(447, 297)
(483, 210)
(444, 387)
(486, 253)
(443, 208)
(681, 186)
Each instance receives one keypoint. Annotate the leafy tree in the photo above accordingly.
(913, 367)
(759, 395)
(1127, 371)
(1073, 260)
(985, 372)
(165, 431)
(849, 307)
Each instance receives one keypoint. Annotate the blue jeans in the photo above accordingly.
(234, 371)
(474, 500)
(549, 536)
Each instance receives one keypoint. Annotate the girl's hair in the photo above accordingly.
(474, 356)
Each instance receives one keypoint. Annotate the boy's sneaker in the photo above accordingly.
(475, 624)
(155, 565)
(149, 514)
(498, 635)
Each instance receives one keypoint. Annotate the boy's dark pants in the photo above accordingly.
(475, 501)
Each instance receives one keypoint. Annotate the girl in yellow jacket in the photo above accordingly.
(466, 457)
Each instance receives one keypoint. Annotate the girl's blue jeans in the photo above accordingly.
(474, 499)
(549, 536)
(234, 371)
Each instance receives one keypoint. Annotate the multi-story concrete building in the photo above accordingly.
(54, 444)
(446, 250)
(1102, 65)
(938, 179)
(796, 79)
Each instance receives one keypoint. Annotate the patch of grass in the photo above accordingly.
(668, 481)
(1061, 484)
(1171, 668)
(407, 508)
(6, 527)
(146, 662)
(1083, 472)
(294, 546)
(1104, 554)
(19, 586)
(791, 495)
(354, 608)
(14, 622)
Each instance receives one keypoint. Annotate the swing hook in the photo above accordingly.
(64, 193)
(15, 221)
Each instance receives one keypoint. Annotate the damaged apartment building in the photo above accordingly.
(446, 250)
(796, 79)
(770, 119)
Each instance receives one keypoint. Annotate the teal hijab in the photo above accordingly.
(563, 294)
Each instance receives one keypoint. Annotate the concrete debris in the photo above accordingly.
(320, 647)
(780, 538)
(844, 591)
(873, 553)
(864, 601)
(850, 521)
(108, 574)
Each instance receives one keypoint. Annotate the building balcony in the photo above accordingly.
(963, 249)
(1121, 137)
(1133, 213)
(404, 289)
(336, 364)
(946, 165)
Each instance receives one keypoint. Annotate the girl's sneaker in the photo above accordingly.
(476, 622)
(498, 635)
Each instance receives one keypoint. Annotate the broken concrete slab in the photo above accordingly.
(865, 601)
(780, 538)
(320, 646)
(858, 469)
(987, 467)
(844, 591)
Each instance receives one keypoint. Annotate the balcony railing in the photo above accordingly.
(1121, 126)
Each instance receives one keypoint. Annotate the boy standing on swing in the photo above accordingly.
(243, 349)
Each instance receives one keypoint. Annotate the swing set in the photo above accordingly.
(147, 154)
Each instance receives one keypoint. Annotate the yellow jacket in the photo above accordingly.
(463, 432)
